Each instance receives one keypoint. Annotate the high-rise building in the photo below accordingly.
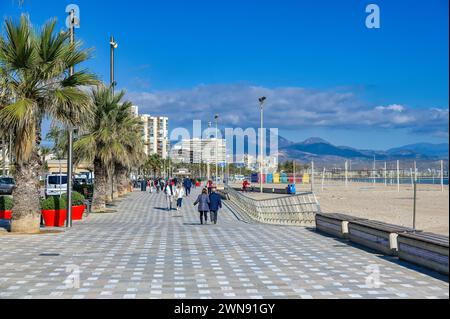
(156, 135)
(198, 150)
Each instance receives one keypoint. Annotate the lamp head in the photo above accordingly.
(114, 44)
(262, 99)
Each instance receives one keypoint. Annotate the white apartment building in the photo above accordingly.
(156, 135)
(4, 158)
(270, 163)
(198, 150)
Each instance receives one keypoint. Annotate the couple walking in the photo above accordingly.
(174, 192)
(208, 203)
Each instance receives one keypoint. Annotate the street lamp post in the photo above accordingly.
(113, 45)
(73, 21)
(216, 118)
(261, 146)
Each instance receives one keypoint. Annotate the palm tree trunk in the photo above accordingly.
(100, 187)
(115, 185)
(26, 217)
(122, 180)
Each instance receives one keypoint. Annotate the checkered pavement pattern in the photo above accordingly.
(144, 251)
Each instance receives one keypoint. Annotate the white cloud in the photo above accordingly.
(287, 108)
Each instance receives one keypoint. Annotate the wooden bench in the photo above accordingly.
(425, 249)
(335, 224)
(377, 235)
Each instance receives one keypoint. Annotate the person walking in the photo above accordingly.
(209, 185)
(149, 185)
(170, 192)
(162, 184)
(215, 203)
(187, 186)
(156, 184)
(179, 194)
(203, 205)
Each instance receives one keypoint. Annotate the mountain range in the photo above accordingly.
(322, 151)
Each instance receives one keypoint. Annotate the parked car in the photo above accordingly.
(55, 185)
(7, 185)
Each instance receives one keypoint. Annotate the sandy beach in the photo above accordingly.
(382, 203)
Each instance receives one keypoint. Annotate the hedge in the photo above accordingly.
(6, 203)
(53, 202)
(77, 198)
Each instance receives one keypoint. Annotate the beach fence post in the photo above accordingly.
(346, 174)
(323, 177)
(414, 206)
(312, 176)
(442, 175)
(415, 171)
(412, 177)
(385, 174)
(293, 171)
(398, 176)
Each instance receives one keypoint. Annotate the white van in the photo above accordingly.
(55, 185)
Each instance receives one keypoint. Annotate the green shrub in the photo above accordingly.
(87, 190)
(77, 198)
(6, 203)
(53, 202)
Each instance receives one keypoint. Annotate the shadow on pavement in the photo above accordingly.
(345, 242)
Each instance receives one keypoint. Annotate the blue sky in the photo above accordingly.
(325, 73)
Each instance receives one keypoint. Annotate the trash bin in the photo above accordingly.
(293, 190)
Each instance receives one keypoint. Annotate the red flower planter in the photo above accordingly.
(5, 214)
(77, 212)
(54, 218)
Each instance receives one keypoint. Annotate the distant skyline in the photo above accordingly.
(324, 73)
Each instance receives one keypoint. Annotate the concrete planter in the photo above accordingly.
(54, 218)
(77, 212)
(5, 214)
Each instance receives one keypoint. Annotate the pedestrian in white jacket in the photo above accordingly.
(170, 193)
(179, 194)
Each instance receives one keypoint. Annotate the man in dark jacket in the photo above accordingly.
(215, 203)
(187, 186)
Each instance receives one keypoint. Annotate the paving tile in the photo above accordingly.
(142, 251)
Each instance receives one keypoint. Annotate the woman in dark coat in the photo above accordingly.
(203, 205)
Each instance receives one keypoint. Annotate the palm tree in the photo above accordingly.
(59, 137)
(109, 141)
(45, 151)
(35, 65)
(153, 165)
(130, 137)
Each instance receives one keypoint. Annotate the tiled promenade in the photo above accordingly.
(142, 251)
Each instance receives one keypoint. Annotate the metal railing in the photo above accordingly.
(299, 209)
